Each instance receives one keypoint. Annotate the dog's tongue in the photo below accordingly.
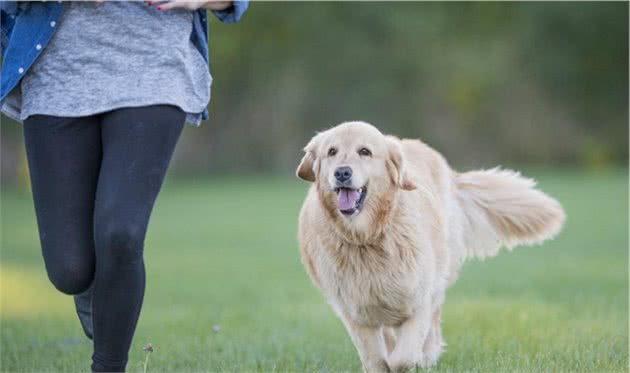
(347, 198)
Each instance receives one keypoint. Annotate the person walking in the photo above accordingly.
(103, 90)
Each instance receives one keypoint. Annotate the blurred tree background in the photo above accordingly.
(485, 83)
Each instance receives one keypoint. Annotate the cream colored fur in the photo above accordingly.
(385, 270)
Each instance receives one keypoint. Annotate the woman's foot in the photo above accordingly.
(83, 305)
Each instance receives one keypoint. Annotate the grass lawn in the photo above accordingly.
(224, 252)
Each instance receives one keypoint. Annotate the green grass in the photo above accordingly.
(224, 252)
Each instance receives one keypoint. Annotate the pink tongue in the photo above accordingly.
(347, 198)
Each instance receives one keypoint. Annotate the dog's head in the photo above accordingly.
(357, 171)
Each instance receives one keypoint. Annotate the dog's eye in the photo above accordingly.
(332, 151)
(365, 151)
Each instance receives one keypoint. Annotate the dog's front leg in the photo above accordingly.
(412, 333)
(434, 344)
(370, 345)
(390, 338)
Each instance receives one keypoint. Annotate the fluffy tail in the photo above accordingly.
(502, 208)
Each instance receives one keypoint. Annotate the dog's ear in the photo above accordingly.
(396, 165)
(306, 169)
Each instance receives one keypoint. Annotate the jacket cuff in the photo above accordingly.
(233, 13)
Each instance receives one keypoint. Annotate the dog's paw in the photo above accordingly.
(428, 361)
(408, 364)
(402, 366)
(399, 363)
(378, 366)
(405, 357)
(431, 353)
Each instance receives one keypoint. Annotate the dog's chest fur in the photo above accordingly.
(368, 283)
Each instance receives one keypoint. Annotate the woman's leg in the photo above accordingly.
(64, 158)
(137, 147)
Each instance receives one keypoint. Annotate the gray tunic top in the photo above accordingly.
(117, 54)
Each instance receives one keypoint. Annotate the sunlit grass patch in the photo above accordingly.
(26, 293)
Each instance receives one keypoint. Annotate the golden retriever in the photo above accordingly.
(386, 226)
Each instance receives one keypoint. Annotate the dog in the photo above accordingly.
(386, 226)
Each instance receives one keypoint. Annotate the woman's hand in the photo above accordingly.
(190, 5)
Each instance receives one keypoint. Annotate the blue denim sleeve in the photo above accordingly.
(8, 10)
(233, 13)
(9, 7)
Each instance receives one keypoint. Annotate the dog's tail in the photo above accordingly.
(502, 208)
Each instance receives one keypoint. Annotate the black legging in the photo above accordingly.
(94, 182)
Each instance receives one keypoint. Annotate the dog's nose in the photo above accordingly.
(343, 174)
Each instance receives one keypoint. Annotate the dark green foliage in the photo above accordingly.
(484, 82)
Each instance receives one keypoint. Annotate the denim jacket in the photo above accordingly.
(26, 28)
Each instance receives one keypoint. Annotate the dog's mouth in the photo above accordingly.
(350, 201)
